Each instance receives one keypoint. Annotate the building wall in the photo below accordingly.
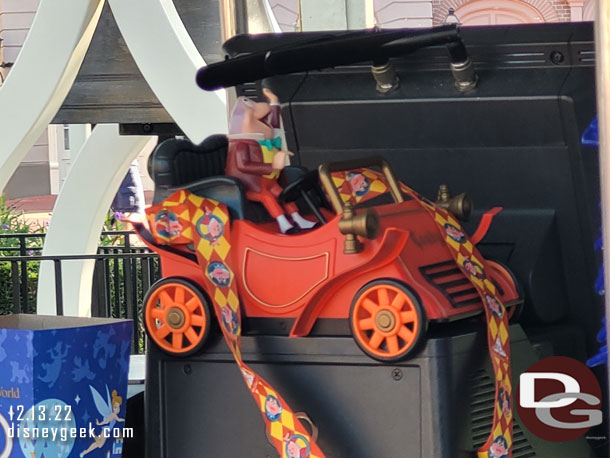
(589, 10)
(401, 13)
(32, 176)
(428, 13)
(286, 14)
(563, 10)
(16, 17)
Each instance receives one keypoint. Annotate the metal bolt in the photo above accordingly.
(557, 57)
(386, 77)
(397, 374)
(187, 369)
(147, 128)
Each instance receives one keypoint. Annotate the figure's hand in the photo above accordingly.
(97, 422)
(270, 96)
(279, 159)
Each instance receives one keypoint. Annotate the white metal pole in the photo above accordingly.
(78, 216)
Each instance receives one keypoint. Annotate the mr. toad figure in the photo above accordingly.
(256, 157)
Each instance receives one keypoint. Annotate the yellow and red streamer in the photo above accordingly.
(186, 218)
(358, 186)
(205, 223)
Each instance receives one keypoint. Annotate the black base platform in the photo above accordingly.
(438, 404)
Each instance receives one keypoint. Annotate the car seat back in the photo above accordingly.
(180, 164)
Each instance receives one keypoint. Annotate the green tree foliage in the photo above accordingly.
(13, 222)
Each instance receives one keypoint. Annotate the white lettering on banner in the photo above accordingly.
(8, 440)
(527, 387)
(57, 434)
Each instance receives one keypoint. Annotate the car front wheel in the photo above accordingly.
(387, 320)
(176, 316)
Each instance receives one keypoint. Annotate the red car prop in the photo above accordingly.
(386, 268)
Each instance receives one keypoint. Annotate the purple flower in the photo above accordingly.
(46, 224)
(30, 252)
(5, 226)
(118, 215)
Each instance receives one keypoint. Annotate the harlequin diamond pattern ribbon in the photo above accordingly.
(205, 223)
(359, 185)
(471, 263)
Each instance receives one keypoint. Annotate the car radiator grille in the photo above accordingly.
(450, 280)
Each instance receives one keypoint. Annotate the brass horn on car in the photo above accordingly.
(364, 224)
(461, 205)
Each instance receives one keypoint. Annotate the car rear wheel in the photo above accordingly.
(387, 320)
(176, 316)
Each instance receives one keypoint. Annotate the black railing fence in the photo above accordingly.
(123, 274)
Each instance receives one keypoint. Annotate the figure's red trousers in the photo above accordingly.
(268, 195)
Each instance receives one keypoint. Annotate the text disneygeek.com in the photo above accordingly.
(63, 434)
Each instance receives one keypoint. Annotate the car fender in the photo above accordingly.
(392, 244)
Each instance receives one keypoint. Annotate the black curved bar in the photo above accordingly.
(327, 51)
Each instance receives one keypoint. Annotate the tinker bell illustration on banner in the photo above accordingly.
(591, 138)
(109, 410)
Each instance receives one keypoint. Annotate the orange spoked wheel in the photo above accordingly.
(387, 320)
(176, 316)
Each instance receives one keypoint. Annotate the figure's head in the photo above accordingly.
(453, 232)
(272, 405)
(248, 117)
(292, 449)
(471, 267)
(215, 227)
(116, 402)
(498, 448)
(297, 447)
(505, 406)
(494, 306)
(228, 319)
(504, 400)
(358, 183)
(175, 228)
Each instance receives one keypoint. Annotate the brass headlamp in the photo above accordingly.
(461, 205)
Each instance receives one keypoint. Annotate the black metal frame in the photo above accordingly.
(122, 276)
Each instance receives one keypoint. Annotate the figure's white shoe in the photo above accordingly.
(302, 222)
(284, 224)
